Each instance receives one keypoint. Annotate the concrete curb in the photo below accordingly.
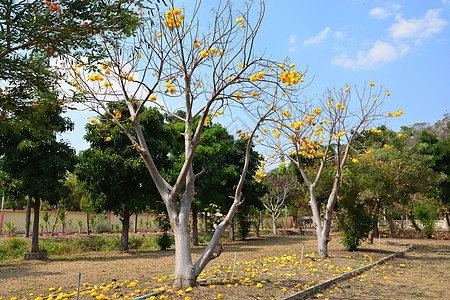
(323, 285)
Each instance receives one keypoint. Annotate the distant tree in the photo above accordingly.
(37, 165)
(115, 175)
(280, 185)
(35, 34)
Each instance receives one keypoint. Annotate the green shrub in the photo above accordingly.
(135, 241)
(58, 248)
(255, 226)
(13, 248)
(101, 225)
(165, 241)
(243, 224)
(354, 222)
(426, 212)
(109, 243)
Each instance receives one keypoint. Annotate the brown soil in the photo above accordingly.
(272, 261)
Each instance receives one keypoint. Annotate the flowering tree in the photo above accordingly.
(280, 186)
(172, 64)
(35, 33)
(324, 132)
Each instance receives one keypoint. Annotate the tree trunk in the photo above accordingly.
(125, 230)
(194, 225)
(274, 225)
(391, 225)
(135, 223)
(184, 269)
(447, 217)
(261, 220)
(322, 246)
(374, 231)
(232, 237)
(27, 218)
(413, 221)
(88, 229)
(56, 220)
(35, 237)
(206, 221)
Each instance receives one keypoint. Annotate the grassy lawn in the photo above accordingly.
(269, 267)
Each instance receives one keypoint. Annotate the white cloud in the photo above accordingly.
(379, 54)
(318, 38)
(380, 12)
(417, 29)
(339, 35)
(292, 39)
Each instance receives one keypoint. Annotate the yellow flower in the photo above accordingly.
(153, 98)
(283, 164)
(132, 284)
(399, 135)
(387, 146)
(172, 90)
(207, 121)
(240, 65)
(212, 50)
(372, 84)
(260, 75)
(252, 78)
(277, 134)
(94, 294)
(187, 298)
(282, 66)
(130, 78)
(189, 289)
(204, 54)
(138, 56)
(388, 94)
(107, 72)
(180, 293)
(104, 66)
(177, 12)
(93, 121)
(159, 35)
(259, 285)
(239, 20)
(355, 160)
(167, 84)
(347, 89)
(219, 296)
(196, 45)
(293, 65)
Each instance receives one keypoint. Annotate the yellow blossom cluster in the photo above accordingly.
(310, 149)
(259, 173)
(95, 77)
(172, 21)
(290, 78)
(397, 114)
(210, 52)
(170, 87)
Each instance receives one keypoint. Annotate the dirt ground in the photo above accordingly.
(269, 267)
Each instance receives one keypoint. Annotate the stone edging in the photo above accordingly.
(323, 285)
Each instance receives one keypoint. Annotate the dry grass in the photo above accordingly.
(273, 261)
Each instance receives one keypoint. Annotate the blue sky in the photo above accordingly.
(402, 45)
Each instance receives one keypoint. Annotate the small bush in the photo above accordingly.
(13, 248)
(101, 225)
(165, 241)
(109, 243)
(135, 242)
(426, 212)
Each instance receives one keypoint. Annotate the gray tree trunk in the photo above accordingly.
(274, 225)
(35, 237)
(27, 218)
(125, 230)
